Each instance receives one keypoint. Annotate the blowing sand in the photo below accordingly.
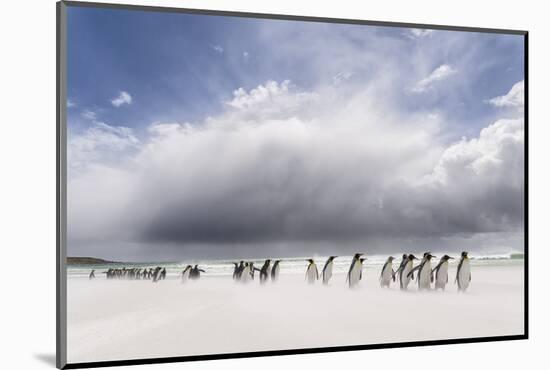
(118, 320)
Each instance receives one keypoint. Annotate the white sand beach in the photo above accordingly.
(116, 320)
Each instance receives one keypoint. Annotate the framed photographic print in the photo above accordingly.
(235, 184)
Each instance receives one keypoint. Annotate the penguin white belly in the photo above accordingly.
(328, 273)
(275, 273)
(245, 276)
(424, 276)
(355, 273)
(405, 279)
(386, 275)
(442, 275)
(464, 276)
(311, 275)
(185, 276)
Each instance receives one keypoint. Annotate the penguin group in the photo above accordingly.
(425, 274)
(244, 271)
(153, 274)
(191, 272)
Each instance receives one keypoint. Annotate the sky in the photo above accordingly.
(197, 136)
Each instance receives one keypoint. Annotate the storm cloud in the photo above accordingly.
(283, 170)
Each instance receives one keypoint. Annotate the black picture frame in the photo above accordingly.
(61, 190)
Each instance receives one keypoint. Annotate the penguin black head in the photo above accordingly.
(405, 256)
(412, 257)
(391, 258)
(310, 260)
(447, 257)
(429, 256)
(332, 257)
(464, 254)
(357, 255)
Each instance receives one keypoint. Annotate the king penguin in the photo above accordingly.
(387, 273)
(441, 272)
(424, 275)
(327, 270)
(275, 270)
(463, 273)
(406, 274)
(312, 273)
(195, 272)
(404, 260)
(252, 270)
(245, 274)
(186, 273)
(264, 271)
(354, 273)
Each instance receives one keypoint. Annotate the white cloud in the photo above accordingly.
(514, 98)
(164, 129)
(100, 143)
(122, 98)
(88, 114)
(269, 97)
(496, 155)
(246, 54)
(416, 33)
(70, 103)
(341, 77)
(442, 72)
(217, 48)
(243, 99)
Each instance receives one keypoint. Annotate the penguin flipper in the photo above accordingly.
(382, 272)
(458, 271)
(411, 273)
(398, 271)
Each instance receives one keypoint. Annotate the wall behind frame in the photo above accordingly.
(27, 155)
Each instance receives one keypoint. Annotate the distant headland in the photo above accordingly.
(87, 261)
